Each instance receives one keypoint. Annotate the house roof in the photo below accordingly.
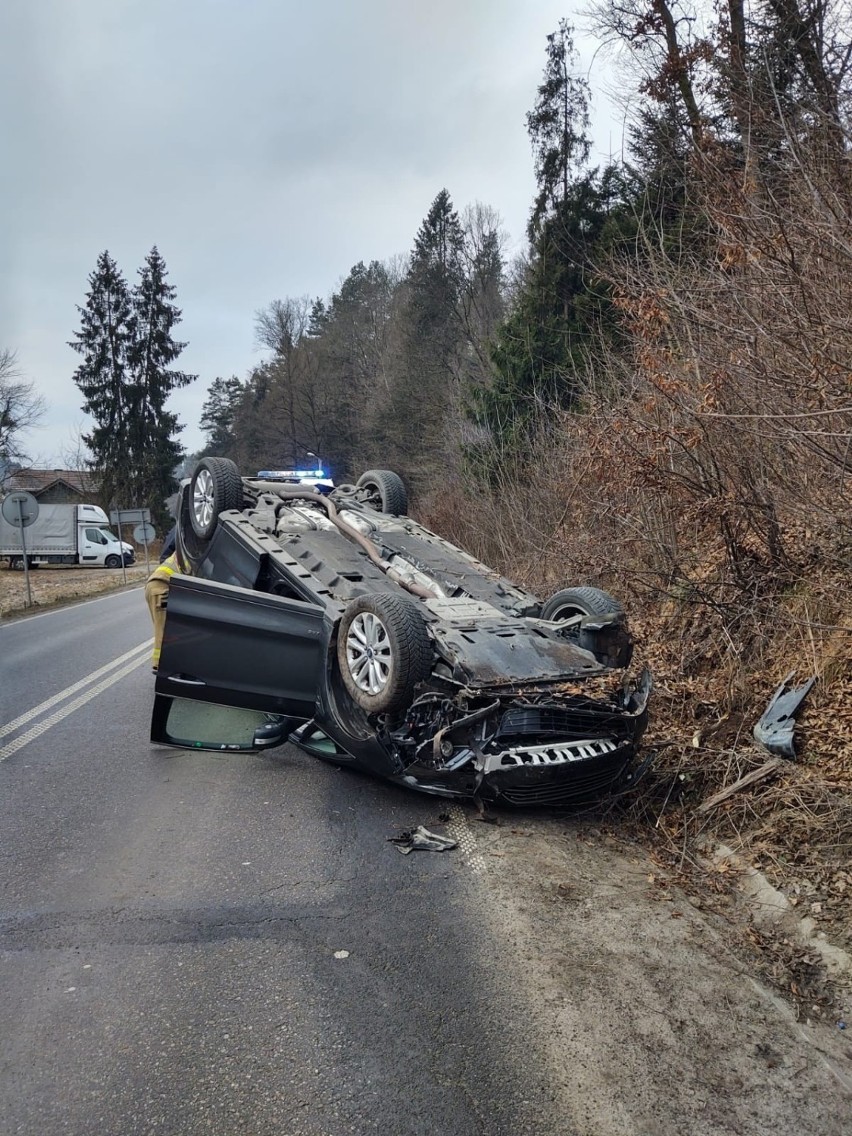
(38, 481)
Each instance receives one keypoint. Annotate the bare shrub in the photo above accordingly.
(708, 473)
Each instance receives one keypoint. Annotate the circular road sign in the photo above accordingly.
(144, 534)
(20, 508)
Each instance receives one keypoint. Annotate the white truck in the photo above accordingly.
(65, 534)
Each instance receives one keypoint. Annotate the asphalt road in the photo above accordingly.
(173, 927)
(221, 944)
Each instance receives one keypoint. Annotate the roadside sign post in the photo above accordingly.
(21, 509)
(121, 517)
(130, 516)
(143, 534)
(23, 529)
(123, 565)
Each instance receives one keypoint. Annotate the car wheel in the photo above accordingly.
(383, 650)
(384, 491)
(215, 487)
(571, 602)
(112, 562)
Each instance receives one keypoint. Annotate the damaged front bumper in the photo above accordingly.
(557, 750)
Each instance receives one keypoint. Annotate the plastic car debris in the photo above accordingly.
(774, 731)
(422, 839)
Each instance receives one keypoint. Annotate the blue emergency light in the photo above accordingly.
(289, 474)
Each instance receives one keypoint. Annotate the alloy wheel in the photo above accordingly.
(202, 498)
(369, 654)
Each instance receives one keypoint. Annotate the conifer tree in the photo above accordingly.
(483, 300)
(541, 353)
(352, 360)
(424, 388)
(218, 415)
(436, 275)
(558, 126)
(104, 341)
(126, 342)
(153, 446)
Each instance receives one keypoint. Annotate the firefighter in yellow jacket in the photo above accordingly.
(156, 593)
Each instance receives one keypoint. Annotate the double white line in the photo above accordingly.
(103, 678)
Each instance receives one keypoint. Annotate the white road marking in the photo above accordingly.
(459, 830)
(46, 723)
(69, 690)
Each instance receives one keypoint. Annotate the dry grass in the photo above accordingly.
(57, 584)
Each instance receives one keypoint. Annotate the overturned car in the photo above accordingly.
(328, 617)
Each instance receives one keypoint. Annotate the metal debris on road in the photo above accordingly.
(422, 839)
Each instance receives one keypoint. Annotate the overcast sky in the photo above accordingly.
(265, 147)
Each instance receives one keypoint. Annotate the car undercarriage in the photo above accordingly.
(392, 650)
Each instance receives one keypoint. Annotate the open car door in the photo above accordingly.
(237, 668)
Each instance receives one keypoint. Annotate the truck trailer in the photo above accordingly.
(65, 534)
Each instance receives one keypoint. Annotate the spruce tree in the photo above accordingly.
(104, 341)
(424, 389)
(352, 359)
(125, 339)
(558, 126)
(436, 276)
(483, 295)
(543, 352)
(218, 415)
(153, 447)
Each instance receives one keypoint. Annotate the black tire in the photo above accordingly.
(384, 651)
(385, 491)
(112, 562)
(571, 602)
(215, 487)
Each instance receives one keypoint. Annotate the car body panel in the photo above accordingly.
(229, 646)
(504, 652)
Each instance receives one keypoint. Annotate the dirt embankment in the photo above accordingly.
(659, 1013)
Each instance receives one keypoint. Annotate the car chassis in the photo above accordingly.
(366, 639)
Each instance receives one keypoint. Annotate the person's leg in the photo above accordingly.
(156, 591)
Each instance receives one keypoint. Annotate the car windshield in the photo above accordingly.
(111, 537)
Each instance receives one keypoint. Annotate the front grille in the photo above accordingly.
(566, 794)
(559, 753)
(568, 788)
(560, 721)
(565, 782)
